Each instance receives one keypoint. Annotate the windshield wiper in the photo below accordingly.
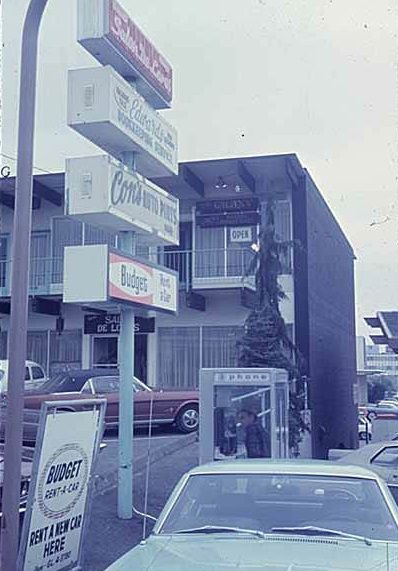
(313, 530)
(221, 529)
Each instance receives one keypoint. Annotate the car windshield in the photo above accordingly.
(62, 383)
(266, 502)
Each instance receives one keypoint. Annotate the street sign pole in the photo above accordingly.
(19, 287)
(126, 393)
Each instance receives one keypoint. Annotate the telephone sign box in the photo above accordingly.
(234, 404)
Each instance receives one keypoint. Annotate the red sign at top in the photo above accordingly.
(128, 38)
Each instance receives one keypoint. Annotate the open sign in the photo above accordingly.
(240, 234)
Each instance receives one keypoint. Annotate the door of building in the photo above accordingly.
(105, 354)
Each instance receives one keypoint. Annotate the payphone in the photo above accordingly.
(244, 413)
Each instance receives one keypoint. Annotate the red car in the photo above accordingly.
(180, 408)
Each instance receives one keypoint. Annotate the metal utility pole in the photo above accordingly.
(126, 393)
(19, 287)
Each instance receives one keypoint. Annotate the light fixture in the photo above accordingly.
(221, 183)
(255, 247)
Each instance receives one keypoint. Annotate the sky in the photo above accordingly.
(252, 77)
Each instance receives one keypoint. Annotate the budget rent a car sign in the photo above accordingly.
(57, 508)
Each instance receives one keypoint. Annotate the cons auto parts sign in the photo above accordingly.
(102, 192)
(58, 499)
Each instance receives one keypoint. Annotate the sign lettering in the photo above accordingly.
(110, 323)
(123, 199)
(53, 524)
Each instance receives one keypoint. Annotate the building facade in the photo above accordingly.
(222, 204)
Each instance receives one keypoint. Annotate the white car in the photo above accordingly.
(257, 515)
(34, 375)
(364, 428)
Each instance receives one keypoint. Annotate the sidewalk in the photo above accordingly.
(108, 537)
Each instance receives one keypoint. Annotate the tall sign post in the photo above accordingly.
(114, 106)
(19, 287)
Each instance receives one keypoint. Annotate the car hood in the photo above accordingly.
(279, 553)
(176, 394)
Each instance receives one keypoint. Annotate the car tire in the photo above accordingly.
(188, 419)
(362, 436)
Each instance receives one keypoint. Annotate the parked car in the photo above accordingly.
(385, 411)
(169, 407)
(380, 457)
(364, 428)
(34, 375)
(272, 515)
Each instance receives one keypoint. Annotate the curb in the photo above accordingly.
(105, 482)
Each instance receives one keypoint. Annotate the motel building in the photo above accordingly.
(222, 203)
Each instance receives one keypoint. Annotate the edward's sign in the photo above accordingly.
(110, 113)
(110, 35)
(103, 192)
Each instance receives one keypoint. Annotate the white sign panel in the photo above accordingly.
(135, 282)
(60, 493)
(102, 192)
(97, 274)
(240, 234)
(111, 36)
(108, 111)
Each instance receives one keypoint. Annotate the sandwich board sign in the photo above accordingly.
(59, 496)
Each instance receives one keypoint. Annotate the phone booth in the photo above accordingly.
(244, 413)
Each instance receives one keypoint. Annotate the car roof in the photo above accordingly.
(88, 373)
(6, 362)
(367, 452)
(296, 467)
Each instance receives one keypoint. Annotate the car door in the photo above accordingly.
(28, 378)
(38, 376)
(108, 387)
(385, 463)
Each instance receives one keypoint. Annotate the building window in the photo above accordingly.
(40, 269)
(94, 235)
(3, 345)
(66, 232)
(37, 344)
(65, 350)
(182, 351)
(4, 262)
(178, 356)
(219, 346)
(209, 252)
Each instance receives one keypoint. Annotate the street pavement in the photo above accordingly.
(108, 537)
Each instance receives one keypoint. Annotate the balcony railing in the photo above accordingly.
(220, 267)
(46, 276)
